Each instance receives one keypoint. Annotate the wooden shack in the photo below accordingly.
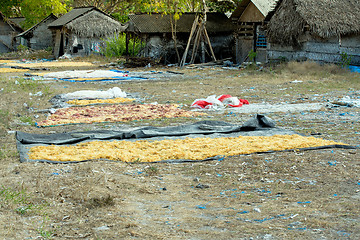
(250, 34)
(156, 32)
(319, 30)
(18, 20)
(82, 31)
(38, 36)
(8, 31)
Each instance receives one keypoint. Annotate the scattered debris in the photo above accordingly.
(202, 186)
(223, 62)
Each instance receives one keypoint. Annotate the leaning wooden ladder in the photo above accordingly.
(199, 33)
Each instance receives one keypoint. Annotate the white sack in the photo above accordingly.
(85, 74)
(91, 94)
(231, 100)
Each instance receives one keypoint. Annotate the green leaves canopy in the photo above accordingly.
(36, 10)
(33, 10)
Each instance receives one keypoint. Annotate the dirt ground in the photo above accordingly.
(283, 195)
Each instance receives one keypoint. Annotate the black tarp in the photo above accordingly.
(259, 125)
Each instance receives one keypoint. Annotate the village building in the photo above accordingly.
(39, 36)
(8, 32)
(250, 33)
(156, 31)
(18, 20)
(82, 31)
(319, 30)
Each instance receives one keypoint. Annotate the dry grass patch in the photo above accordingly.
(272, 183)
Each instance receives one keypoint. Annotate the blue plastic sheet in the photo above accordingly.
(354, 68)
(105, 79)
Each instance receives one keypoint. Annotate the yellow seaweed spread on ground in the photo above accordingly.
(6, 61)
(99, 101)
(11, 70)
(189, 148)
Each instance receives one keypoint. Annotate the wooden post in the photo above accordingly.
(202, 50)
(208, 40)
(133, 46)
(127, 44)
(193, 29)
(196, 44)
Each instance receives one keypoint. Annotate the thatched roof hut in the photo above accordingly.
(82, 30)
(104, 26)
(323, 18)
(88, 22)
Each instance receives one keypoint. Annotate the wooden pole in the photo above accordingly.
(202, 51)
(127, 44)
(208, 40)
(193, 29)
(196, 44)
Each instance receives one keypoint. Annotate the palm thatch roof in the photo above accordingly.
(324, 18)
(28, 33)
(88, 22)
(95, 24)
(160, 23)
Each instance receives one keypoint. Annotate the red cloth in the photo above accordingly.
(222, 97)
(201, 103)
(204, 104)
(244, 101)
(239, 105)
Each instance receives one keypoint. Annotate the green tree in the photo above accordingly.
(10, 8)
(108, 6)
(222, 5)
(36, 10)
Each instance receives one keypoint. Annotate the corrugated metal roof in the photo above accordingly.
(18, 20)
(264, 6)
(15, 27)
(68, 17)
(36, 25)
(158, 23)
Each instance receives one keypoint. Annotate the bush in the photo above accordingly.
(345, 60)
(116, 46)
(22, 48)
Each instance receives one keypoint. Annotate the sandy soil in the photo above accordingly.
(284, 195)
